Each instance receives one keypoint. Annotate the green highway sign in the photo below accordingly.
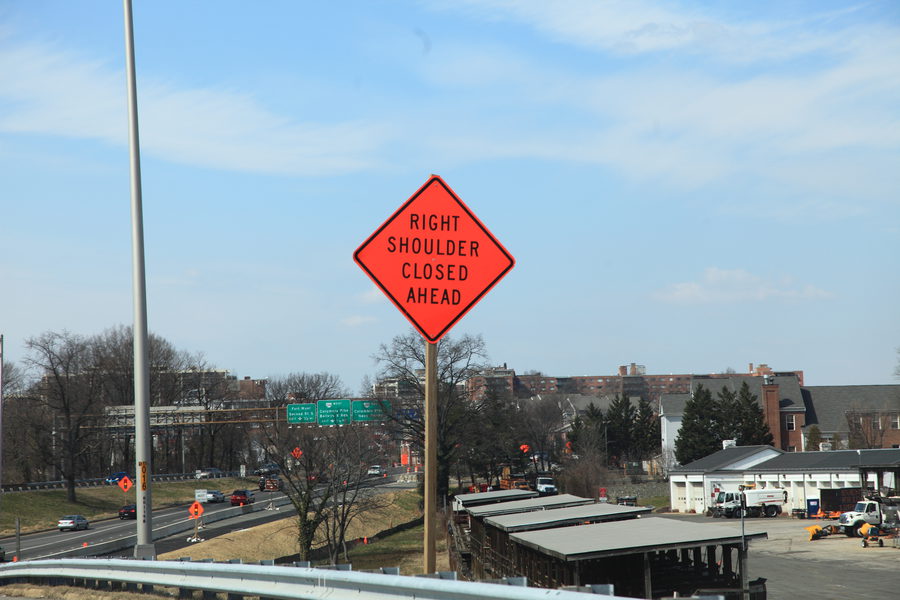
(334, 412)
(370, 410)
(301, 413)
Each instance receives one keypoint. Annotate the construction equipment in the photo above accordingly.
(873, 510)
(817, 532)
(873, 535)
(513, 481)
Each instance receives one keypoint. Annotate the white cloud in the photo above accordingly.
(357, 320)
(831, 129)
(48, 91)
(722, 286)
(623, 26)
(372, 296)
(627, 27)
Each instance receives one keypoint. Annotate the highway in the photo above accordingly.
(59, 544)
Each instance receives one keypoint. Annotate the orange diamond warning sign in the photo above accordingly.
(434, 259)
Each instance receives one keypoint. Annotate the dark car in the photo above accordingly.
(129, 511)
(116, 477)
(242, 497)
(271, 483)
(267, 469)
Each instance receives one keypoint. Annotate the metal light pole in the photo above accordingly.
(1, 413)
(144, 547)
(431, 386)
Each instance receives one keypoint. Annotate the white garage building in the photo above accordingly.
(802, 474)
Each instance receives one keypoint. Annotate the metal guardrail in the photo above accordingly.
(268, 582)
(100, 481)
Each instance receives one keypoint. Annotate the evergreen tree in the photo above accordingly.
(588, 434)
(698, 436)
(813, 438)
(728, 414)
(646, 431)
(620, 429)
(752, 429)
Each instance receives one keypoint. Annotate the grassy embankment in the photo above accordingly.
(40, 510)
(279, 539)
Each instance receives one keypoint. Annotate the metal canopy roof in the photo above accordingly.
(477, 498)
(528, 505)
(556, 517)
(633, 536)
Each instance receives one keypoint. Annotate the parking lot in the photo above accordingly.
(829, 568)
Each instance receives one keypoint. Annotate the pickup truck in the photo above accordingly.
(874, 510)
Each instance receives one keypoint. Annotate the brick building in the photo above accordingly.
(631, 380)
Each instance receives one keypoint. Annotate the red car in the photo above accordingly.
(242, 497)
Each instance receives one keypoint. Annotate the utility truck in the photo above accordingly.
(750, 503)
(512, 481)
(544, 485)
(874, 510)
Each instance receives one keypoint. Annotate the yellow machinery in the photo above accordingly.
(817, 532)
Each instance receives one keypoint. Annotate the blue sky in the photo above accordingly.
(688, 186)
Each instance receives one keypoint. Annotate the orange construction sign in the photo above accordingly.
(195, 510)
(434, 259)
(125, 483)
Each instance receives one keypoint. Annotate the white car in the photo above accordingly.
(375, 471)
(72, 522)
(214, 496)
(208, 473)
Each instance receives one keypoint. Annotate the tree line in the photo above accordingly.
(63, 399)
(707, 421)
(57, 398)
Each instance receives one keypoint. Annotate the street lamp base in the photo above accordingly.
(145, 552)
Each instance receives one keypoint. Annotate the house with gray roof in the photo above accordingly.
(848, 416)
(870, 414)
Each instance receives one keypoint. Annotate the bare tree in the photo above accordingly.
(458, 360)
(314, 466)
(210, 389)
(27, 427)
(13, 379)
(583, 475)
(866, 428)
(113, 356)
(489, 441)
(70, 387)
(349, 451)
(541, 420)
(304, 387)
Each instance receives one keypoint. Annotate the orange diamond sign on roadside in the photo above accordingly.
(125, 483)
(434, 259)
(297, 453)
(195, 510)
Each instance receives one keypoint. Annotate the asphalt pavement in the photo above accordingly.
(835, 567)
